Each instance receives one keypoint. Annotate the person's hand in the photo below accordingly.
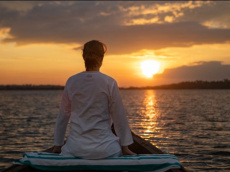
(127, 151)
(57, 149)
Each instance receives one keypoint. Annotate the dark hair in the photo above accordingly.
(93, 54)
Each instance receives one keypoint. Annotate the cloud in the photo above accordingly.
(211, 70)
(19, 5)
(214, 15)
(158, 12)
(78, 22)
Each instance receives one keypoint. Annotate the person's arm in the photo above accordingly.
(127, 151)
(62, 121)
(120, 121)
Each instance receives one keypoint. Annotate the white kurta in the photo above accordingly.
(92, 101)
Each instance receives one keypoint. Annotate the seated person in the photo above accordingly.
(91, 101)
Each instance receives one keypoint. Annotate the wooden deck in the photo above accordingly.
(140, 146)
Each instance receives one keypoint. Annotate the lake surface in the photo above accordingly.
(192, 124)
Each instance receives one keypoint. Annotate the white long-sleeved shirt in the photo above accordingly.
(92, 102)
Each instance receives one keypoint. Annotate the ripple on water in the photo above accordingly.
(193, 124)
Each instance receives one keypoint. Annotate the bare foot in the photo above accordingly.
(57, 149)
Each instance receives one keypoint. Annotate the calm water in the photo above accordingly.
(192, 124)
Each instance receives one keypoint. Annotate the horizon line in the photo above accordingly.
(182, 84)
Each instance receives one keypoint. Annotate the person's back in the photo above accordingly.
(91, 100)
(90, 134)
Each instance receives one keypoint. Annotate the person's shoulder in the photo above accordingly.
(78, 75)
(73, 77)
(107, 77)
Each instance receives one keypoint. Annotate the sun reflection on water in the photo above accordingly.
(148, 117)
(150, 114)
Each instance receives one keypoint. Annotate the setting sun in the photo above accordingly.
(150, 67)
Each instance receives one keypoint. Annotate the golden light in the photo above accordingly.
(150, 67)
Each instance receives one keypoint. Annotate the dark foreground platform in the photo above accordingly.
(140, 146)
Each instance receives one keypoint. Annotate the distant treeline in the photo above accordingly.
(31, 87)
(224, 84)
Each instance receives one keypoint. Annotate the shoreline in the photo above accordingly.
(223, 84)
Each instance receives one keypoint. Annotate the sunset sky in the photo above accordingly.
(41, 42)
